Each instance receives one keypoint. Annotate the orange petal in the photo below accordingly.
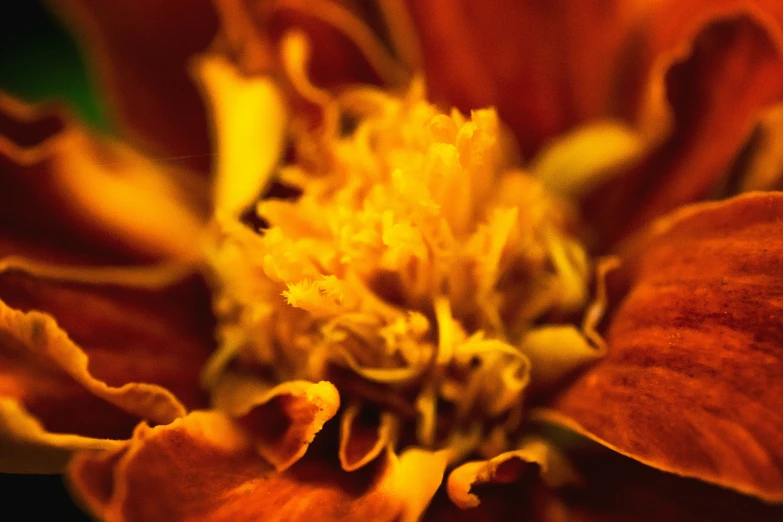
(73, 375)
(761, 164)
(84, 189)
(693, 379)
(282, 420)
(509, 467)
(706, 96)
(28, 448)
(364, 434)
(499, 502)
(139, 52)
(249, 119)
(544, 66)
(204, 468)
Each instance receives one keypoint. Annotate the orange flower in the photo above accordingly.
(421, 326)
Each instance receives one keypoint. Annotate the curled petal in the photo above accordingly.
(139, 53)
(692, 380)
(362, 440)
(204, 468)
(33, 344)
(704, 98)
(28, 448)
(138, 349)
(509, 467)
(577, 161)
(97, 190)
(555, 352)
(282, 420)
(249, 125)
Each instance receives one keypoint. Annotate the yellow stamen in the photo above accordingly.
(409, 271)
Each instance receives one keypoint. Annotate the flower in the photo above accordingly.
(419, 275)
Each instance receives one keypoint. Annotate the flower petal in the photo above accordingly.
(555, 352)
(204, 468)
(692, 380)
(363, 436)
(282, 420)
(579, 160)
(28, 448)
(92, 189)
(513, 501)
(249, 125)
(509, 467)
(545, 66)
(78, 382)
(139, 52)
(761, 168)
(705, 99)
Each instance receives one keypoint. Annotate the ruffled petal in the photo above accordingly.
(92, 361)
(203, 468)
(60, 184)
(704, 98)
(33, 338)
(513, 501)
(282, 420)
(692, 380)
(510, 467)
(28, 448)
(139, 52)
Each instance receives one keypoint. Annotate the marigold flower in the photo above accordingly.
(458, 265)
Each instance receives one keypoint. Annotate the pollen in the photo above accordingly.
(416, 260)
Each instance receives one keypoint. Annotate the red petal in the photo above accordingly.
(283, 420)
(693, 381)
(364, 434)
(505, 502)
(160, 338)
(201, 468)
(139, 50)
(713, 89)
(61, 186)
(544, 65)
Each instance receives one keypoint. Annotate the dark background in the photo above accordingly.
(40, 61)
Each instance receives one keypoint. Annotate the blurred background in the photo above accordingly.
(40, 61)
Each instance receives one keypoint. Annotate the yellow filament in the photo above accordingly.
(355, 30)
(295, 52)
(597, 308)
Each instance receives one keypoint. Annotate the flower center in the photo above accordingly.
(408, 271)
